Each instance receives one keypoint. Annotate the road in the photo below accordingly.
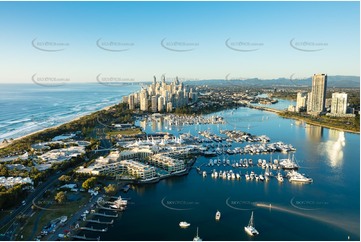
(73, 219)
(24, 209)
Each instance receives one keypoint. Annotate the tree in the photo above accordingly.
(110, 189)
(65, 178)
(60, 197)
(89, 183)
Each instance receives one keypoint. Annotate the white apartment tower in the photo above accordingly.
(339, 103)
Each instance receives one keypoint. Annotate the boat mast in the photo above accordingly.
(251, 220)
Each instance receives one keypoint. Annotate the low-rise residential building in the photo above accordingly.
(61, 155)
(9, 182)
(133, 168)
(167, 163)
(140, 153)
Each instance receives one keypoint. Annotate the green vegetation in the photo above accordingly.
(60, 197)
(9, 196)
(64, 178)
(116, 114)
(41, 218)
(111, 189)
(89, 183)
(346, 124)
(286, 95)
(128, 132)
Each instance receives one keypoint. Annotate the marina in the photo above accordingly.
(241, 196)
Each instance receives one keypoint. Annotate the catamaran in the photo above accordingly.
(250, 229)
(197, 238)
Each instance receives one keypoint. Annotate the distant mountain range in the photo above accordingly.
(332, 81)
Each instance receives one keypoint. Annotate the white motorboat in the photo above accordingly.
(184, 225)
(218, 215)
(298, 178)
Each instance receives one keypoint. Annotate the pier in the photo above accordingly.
(94, 230)
(111, 209)
(98, 221)
(106, 215)
(85, 238)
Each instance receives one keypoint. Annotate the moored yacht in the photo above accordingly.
(297, 177)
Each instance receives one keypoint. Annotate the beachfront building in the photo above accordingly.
(154, 103)
(161, 104)
(167, 163)
(131, 102)
(161, 95)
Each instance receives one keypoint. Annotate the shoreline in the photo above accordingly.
(261, 108)
(276, 111)
(4, 145)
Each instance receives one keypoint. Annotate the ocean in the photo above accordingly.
(26, 108)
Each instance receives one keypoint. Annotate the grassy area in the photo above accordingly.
(125, 132)
(344, 124)
(43, 217)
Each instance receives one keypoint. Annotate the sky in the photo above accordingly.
(84, 41)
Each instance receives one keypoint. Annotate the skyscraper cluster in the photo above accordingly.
(315, 101)
(162, 97)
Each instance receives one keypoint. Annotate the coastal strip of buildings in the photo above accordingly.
(315, 102)
(161, 96)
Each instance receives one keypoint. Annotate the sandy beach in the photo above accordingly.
(3, 145)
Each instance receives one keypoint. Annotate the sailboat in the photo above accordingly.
(250, 229)
(197, 238)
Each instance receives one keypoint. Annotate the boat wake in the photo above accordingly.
(342, 222)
